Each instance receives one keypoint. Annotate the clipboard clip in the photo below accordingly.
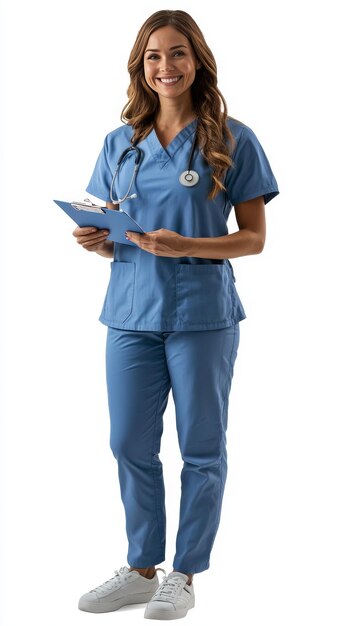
(87, 205)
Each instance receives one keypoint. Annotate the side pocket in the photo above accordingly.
(118, 304)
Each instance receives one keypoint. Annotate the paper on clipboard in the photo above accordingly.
(116, 221)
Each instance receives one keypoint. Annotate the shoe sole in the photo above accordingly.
(159, 614)
(108, 607)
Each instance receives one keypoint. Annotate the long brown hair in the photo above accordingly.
(213, 135)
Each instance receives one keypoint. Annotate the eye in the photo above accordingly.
(152, 57)
(179, 53)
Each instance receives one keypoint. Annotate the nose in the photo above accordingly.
(166, 65)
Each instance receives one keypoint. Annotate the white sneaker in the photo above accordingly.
(173, 598)
(126, 587)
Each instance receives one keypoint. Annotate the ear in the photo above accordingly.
(198, 65)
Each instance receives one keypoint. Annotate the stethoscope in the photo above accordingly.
(189, 178)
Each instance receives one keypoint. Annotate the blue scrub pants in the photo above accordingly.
(141, 368)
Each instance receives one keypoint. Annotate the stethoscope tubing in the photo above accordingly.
(188, 178)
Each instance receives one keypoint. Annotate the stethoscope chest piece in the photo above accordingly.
(190, 178)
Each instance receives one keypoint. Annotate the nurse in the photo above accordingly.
(171, 309)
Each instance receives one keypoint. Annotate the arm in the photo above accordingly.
(249, 239)
(94, 240)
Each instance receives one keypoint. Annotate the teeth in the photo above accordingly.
(169, 80)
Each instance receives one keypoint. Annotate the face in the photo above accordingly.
(169, 63)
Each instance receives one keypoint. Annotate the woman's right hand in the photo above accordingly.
(91, 238)
(94, 240)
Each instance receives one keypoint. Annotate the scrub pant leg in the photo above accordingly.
(141, 368)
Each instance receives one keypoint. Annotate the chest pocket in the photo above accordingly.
(205, 293)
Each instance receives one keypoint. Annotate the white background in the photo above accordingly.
(283, 550)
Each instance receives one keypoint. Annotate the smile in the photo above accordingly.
(169, 81)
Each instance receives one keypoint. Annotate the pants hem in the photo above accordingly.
(191, 569)
(143, 565)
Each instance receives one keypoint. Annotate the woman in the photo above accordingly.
(171, 308)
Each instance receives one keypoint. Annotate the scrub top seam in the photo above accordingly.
(237, 143)
(172, 327)
(256, 194)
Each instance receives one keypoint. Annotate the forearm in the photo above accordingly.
(241, 243)
(106, 250)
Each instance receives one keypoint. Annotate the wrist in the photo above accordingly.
(189, 246)
(106, 250)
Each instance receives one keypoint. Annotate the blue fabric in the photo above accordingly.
(141, 369)
(154, 293)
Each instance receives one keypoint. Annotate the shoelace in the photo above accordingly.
(120, 575)
(169, 589)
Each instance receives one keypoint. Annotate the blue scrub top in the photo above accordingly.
(155, 293)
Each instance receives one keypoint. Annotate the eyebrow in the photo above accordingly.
(172, 48)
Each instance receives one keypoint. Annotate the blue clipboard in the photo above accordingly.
(116, 221)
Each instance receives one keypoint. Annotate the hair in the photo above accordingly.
(213, 135)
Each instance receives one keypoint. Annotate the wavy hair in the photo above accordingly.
(213, 135)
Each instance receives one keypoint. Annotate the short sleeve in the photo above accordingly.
(251, 175)
(100, 181)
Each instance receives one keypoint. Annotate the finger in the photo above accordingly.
(134, 234)
(94, 243)
(94, 238)
(92, 247)
(79, 231)
(138, 238)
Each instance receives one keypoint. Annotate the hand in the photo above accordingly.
(160, 242)
(91, 238)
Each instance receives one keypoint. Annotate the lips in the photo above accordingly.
(170, 80)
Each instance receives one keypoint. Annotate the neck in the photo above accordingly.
(174, 114)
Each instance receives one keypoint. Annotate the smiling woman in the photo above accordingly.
(174, 80)
(170, 71)
(170, 66)
(171, 307)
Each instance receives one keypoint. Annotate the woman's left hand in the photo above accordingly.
(160, 242)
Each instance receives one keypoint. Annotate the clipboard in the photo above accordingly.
(117, 222)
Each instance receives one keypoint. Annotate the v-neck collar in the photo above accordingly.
(163, 155)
